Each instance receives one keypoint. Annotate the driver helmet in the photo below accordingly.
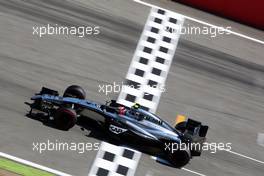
(121, 110)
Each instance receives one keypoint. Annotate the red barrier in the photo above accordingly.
(250, 12)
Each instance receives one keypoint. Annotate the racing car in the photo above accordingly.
(123, 123)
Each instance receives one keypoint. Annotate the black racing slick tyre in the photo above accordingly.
(65, 118)
(74, 91)
(179, 158)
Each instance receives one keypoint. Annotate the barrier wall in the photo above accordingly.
(249, 12)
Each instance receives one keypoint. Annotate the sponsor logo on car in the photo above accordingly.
(116, 130)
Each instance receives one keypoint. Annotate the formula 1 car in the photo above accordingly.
(125, 123)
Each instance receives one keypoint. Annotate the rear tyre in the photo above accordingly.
(74, 91)
(65, 118)
(179, 158)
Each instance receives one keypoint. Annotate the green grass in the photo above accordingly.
(21, 169)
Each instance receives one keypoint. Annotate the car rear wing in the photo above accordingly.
(196, 134)
(193, 132)
(195, 128)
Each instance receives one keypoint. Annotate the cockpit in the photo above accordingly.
(140, 115)
(136, 113)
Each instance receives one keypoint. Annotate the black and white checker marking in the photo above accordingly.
(150, 66)
(112, 160)
(152, 59)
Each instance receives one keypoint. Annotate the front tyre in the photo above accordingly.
(65, 118)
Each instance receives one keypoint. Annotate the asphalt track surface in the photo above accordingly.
(222, 90)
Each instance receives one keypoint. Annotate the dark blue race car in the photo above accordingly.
(177, 144)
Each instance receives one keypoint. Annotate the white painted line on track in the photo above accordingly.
(206, 23)
(241, 155)
(244, 156)
(29, 163)
(197, 173)
(185, 169)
